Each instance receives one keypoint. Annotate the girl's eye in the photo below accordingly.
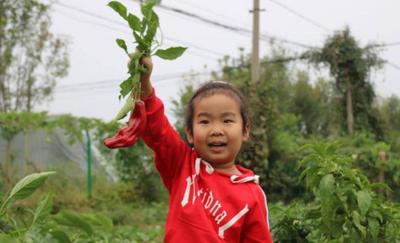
(228, 121)
(203, 121)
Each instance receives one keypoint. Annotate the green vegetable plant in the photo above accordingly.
(10, 229)
(24, 188)
(144, 32)
(345, 207)
(43, 224)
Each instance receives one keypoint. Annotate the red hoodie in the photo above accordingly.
(205, 205)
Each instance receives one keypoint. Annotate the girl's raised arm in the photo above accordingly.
(168, 147)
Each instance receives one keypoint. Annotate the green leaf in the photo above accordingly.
(74, 220)
(331, 148)
(153, 23)
(128, 106)
(313, 213)
(142, 45)
(147, 7)
(381, 186)
(373, 228)
(121, 43)
(134, 22)
(25, 187)
(327, 186)
(134, 66)
(153, 2)
(170, 53)
(377, 215)
(126, 87)
(119, 8)
(43, 209)
(99, 219)
(61, 236)
(364, 201)
(357, 222)
(4, 238)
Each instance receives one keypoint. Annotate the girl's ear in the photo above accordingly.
(189, 135)
(246, 134)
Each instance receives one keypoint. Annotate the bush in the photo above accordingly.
(345, 206)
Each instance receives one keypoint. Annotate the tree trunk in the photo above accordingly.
(349, 108)
(381, 175)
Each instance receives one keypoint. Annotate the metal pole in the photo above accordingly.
(255, 61)
(89, 164)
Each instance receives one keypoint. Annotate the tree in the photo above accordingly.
(32, 58)
(350, 65)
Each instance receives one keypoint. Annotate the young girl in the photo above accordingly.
(211, 199)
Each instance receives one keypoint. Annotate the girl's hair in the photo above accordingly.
(218, 87)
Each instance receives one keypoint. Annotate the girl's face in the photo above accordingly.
(217, 129)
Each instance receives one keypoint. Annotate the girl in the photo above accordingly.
(211, 199)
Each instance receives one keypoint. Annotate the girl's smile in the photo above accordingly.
(218, 132)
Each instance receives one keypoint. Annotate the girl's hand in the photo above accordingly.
(145, 76)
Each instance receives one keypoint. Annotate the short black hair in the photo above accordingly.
(218, 87)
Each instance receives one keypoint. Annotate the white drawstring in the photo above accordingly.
(197, 166)
(245, 179)
(209, 167)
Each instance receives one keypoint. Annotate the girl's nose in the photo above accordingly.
(216, 131)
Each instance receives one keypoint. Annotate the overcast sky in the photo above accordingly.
(98, 65)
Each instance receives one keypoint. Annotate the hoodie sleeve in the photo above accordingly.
(169, 149)
(256, 228)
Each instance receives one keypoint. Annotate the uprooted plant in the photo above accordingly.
(144, 32)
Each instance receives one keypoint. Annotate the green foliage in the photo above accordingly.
(13, 123)
(24, 188)
(379, 161)
(144, 31)
(43, 209)
(43, 224)
(350, 65)
(345, 207)
(180, 108)
(133, 165)
(170, 53)
(288, 222)
(389, 112)
(136, 167)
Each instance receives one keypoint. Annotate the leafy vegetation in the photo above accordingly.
(45, 221)
(344, 207)
(350, 65)
(144, 32)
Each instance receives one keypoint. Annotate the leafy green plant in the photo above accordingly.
(345, 206)
(42, 225)
(288, 222)
(24, 188)
(144, 32)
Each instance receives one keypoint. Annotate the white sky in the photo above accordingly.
(95, 58)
